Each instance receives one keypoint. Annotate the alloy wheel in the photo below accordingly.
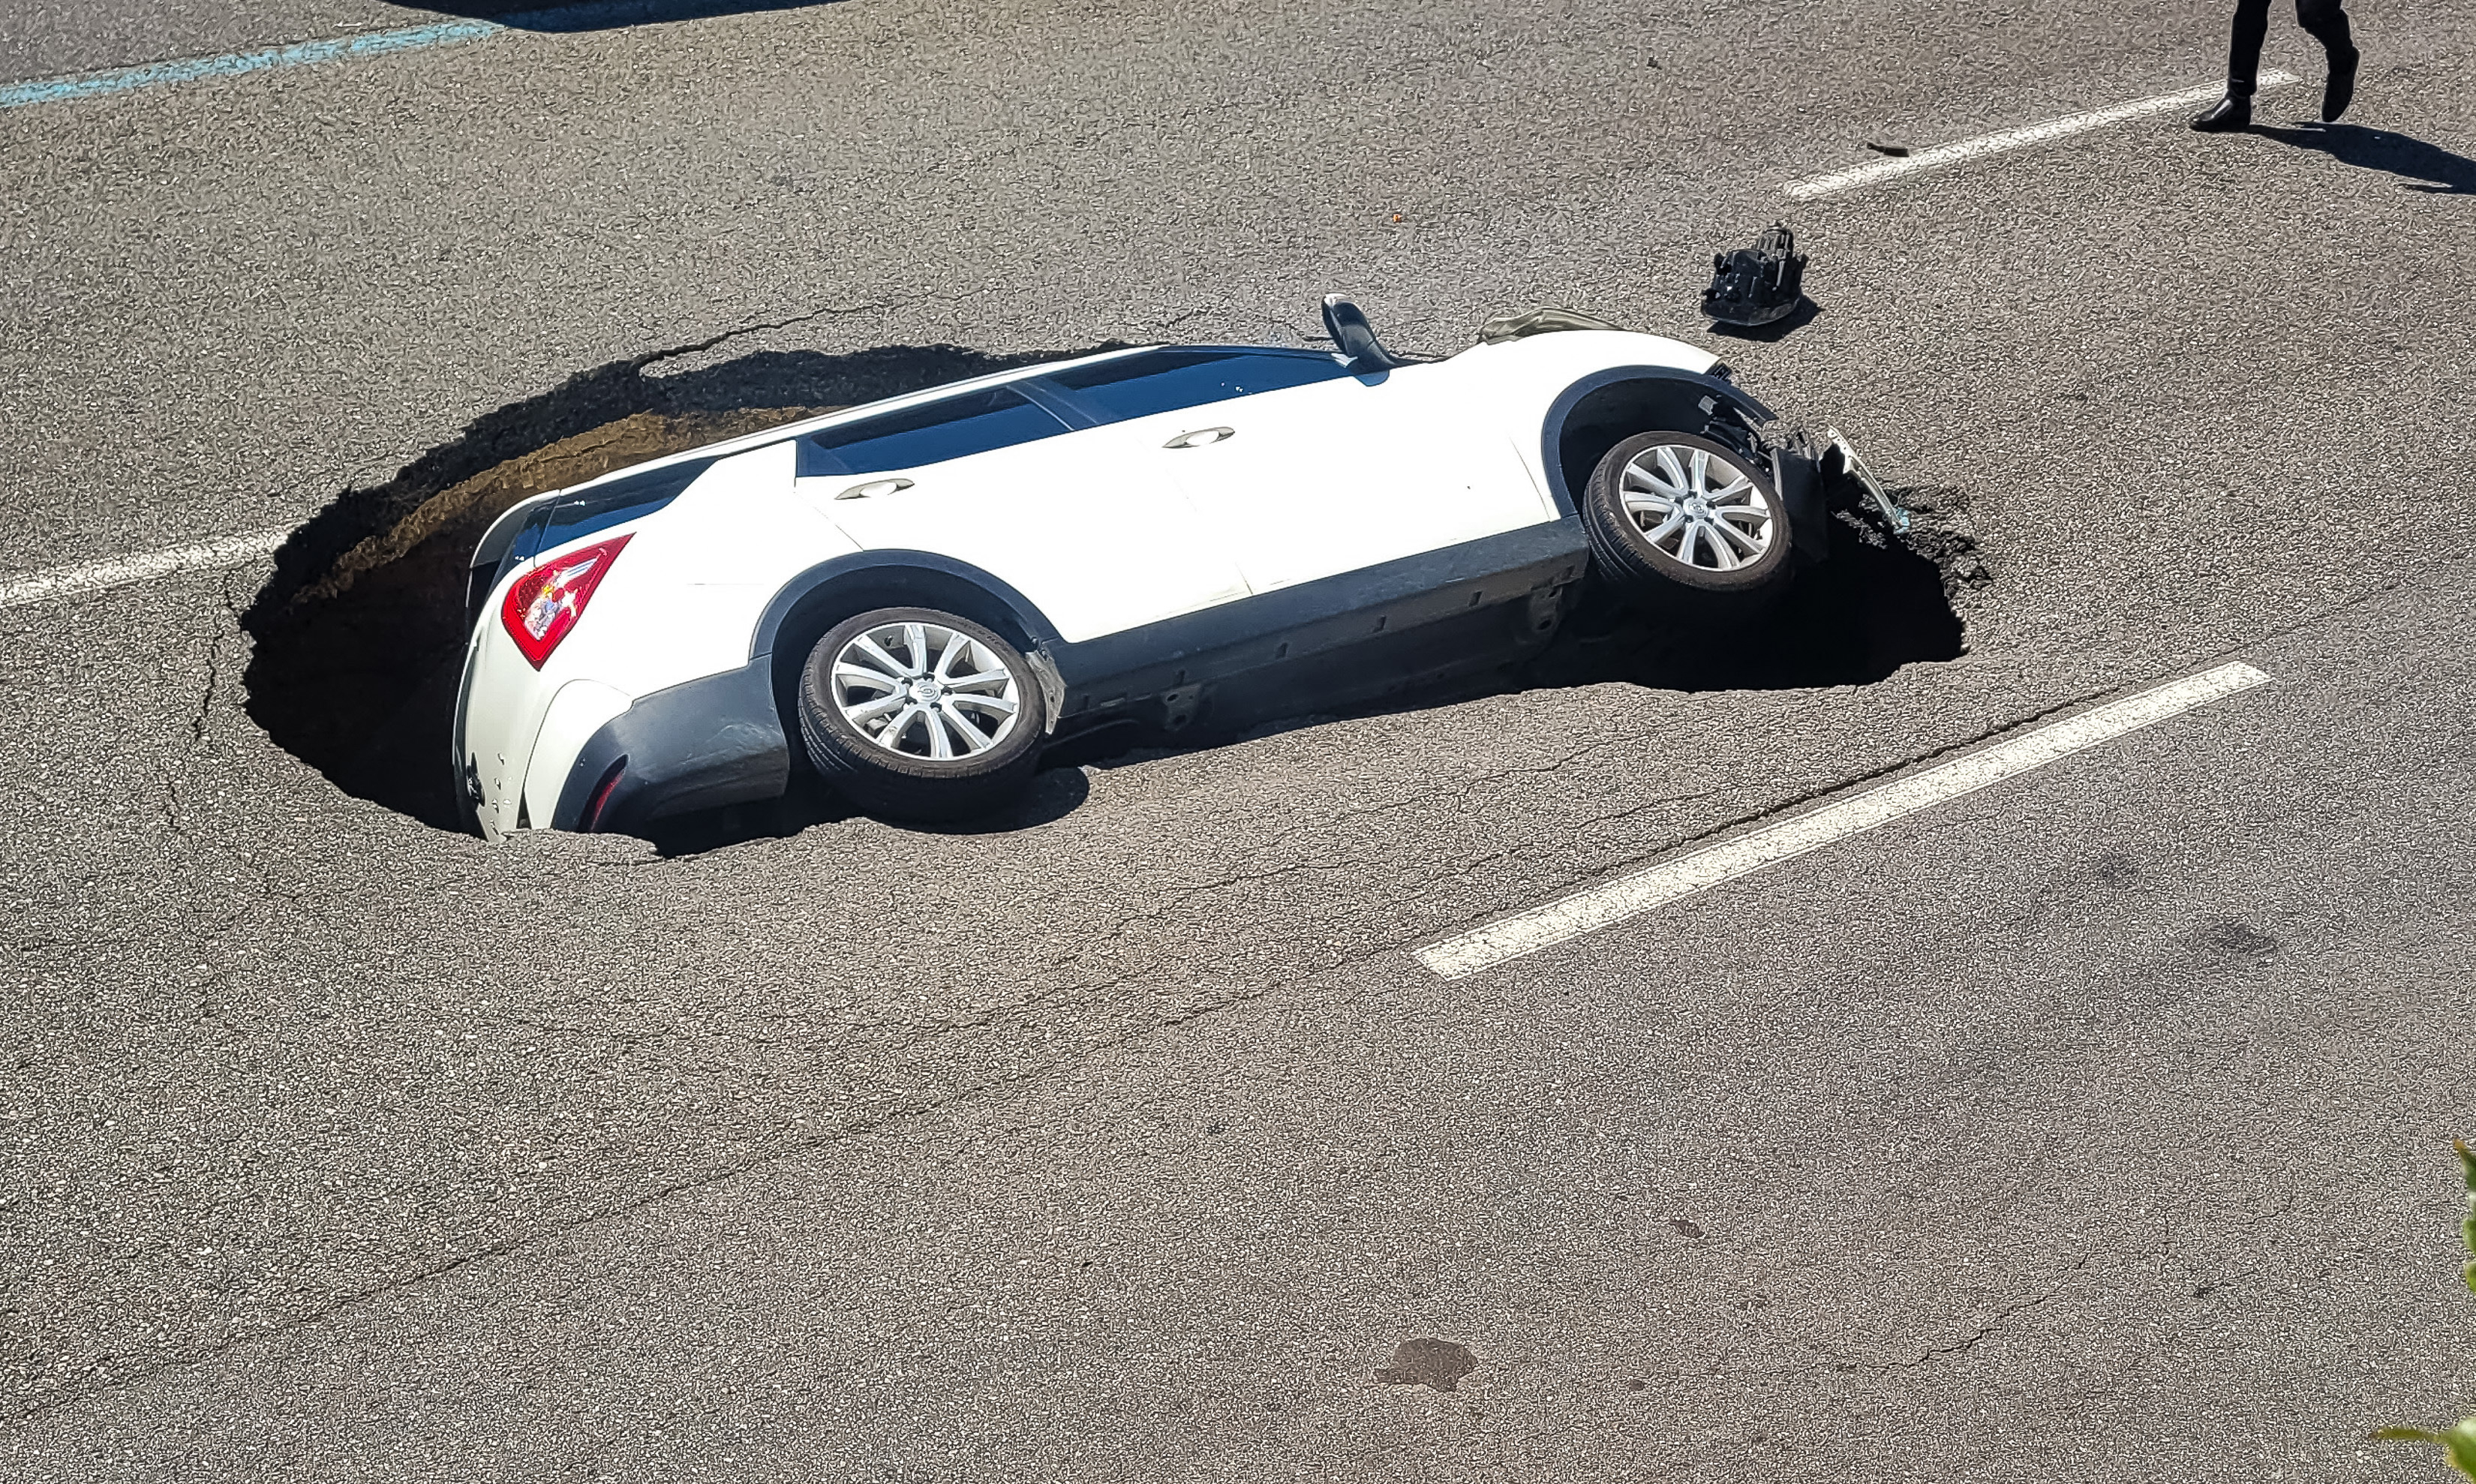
(926, 690)
(1695, 508)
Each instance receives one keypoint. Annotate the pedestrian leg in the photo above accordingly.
(2234, 111)
(2327, 21)
(2244, 48)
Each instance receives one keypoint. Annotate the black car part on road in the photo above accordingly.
(1757, 284)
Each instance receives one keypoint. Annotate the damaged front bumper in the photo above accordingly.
(1820, 474)
(1852, 466)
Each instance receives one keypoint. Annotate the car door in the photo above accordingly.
(1306, 471)
(1096, 537)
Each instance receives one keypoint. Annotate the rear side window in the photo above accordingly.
(1165, 380)
(949, 428)
(575, 516)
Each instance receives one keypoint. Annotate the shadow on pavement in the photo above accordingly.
(359, 633)
(2423, 168)
(1779, 328)
(605, 14)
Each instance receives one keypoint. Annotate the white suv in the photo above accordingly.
(913, 596)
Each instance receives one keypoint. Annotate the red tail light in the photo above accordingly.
(546, 603)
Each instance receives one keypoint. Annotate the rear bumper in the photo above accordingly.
(698, 745)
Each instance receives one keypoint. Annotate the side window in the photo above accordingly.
(1165, 380)
(949, 428)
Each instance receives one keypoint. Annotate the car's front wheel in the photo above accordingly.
(1686, 523)
(917, 714)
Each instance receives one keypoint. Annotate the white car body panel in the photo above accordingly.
(1103, 530)
(1086, 524)
(1517, 380)
(1317, 480)
(738, 519)
(504, 700)
(708, 564)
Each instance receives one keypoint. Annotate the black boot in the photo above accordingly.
(2233, 113)
(2340, 89)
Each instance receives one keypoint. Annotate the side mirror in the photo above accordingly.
(1354, 337)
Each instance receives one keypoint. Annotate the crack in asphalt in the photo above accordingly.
(908, 1111)
(849, 1129)
(174, 815)
(1965, 1345)
(905, 1112)
(827, 312)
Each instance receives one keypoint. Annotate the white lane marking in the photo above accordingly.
(120, 571)
(1601, 907)
(2024, 138)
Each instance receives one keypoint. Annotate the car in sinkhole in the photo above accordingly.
(915, 597)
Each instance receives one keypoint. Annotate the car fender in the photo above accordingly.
(1534, 386)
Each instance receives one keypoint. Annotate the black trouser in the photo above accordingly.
(2326, 20)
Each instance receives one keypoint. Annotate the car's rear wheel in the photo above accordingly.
(1686, 523)
(917, 714)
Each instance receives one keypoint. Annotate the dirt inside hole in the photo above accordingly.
(360, 632)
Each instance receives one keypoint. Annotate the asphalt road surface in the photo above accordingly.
(2089, 1126)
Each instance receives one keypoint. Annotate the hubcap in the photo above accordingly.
(924, 691)
(1695, 508)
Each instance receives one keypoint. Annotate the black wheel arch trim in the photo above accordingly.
(1552, 432)
(1035, 627)
(1004, 607)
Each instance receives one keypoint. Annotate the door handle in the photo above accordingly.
(873, 488)
(1201, 437)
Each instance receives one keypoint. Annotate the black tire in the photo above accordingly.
(1650, 574)
(901, 779)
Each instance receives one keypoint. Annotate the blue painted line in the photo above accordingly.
(190, 69)
(591, 15)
